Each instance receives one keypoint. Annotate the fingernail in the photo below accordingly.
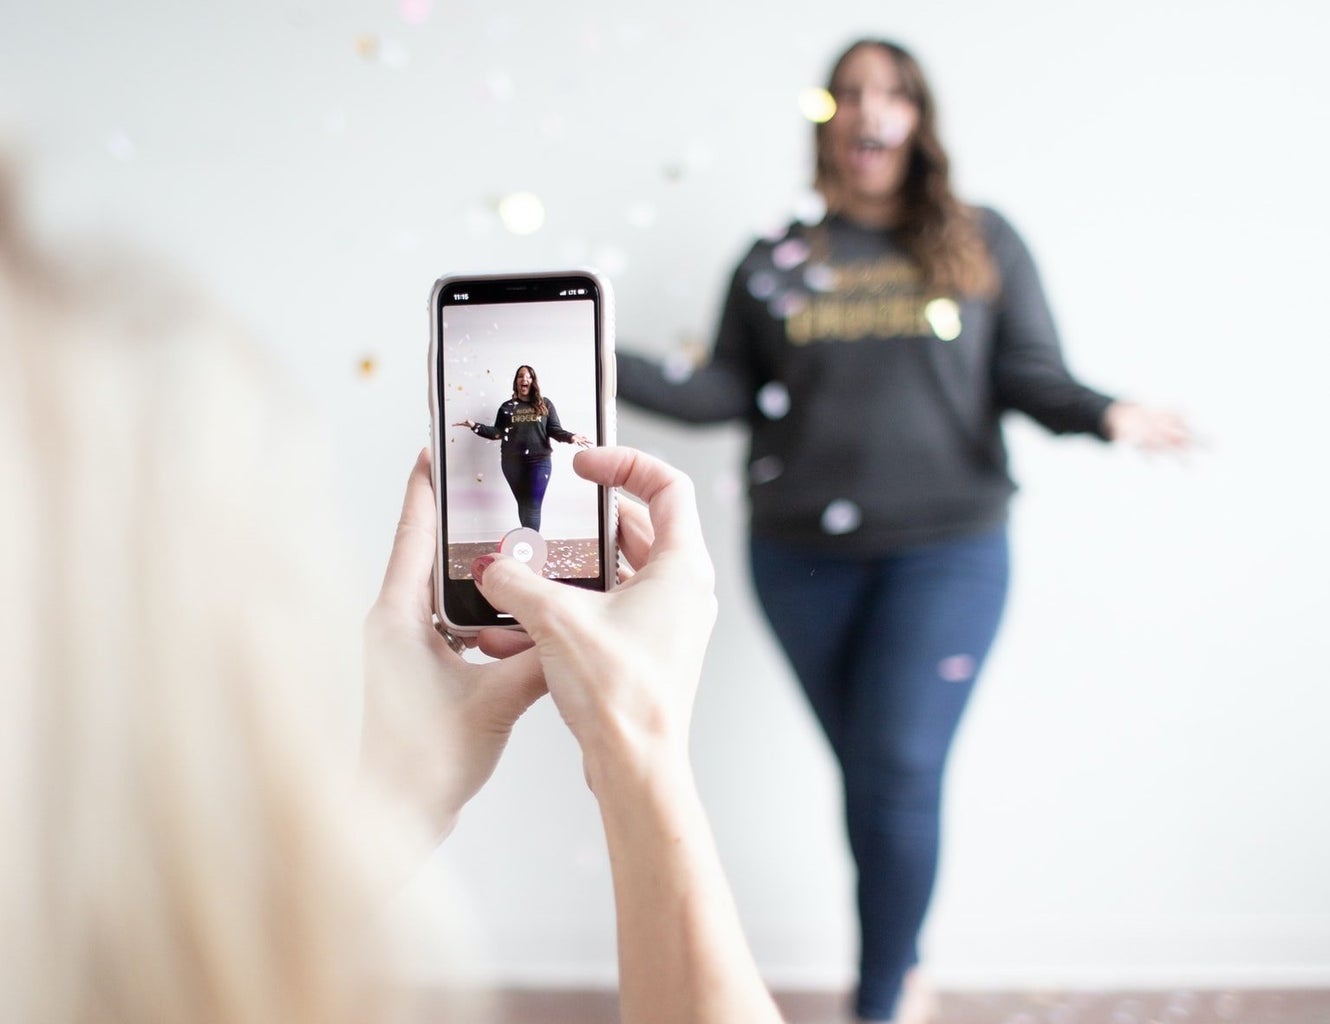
(479, 566)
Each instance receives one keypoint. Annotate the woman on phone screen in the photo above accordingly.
(524, 426)
(872, 355)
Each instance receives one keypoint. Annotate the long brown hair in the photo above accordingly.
(940, 232)
(536, 401)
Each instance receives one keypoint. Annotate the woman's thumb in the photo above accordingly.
(511, 587)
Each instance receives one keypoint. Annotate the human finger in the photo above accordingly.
(635, 533)
(406, 581)
(502, 643)
(668, 493)
(512, 587)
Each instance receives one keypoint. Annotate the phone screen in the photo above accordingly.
(519, 391)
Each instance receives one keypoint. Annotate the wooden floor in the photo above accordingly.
(1236, 1006)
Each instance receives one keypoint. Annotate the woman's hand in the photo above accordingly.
(623, 669)
(622, 666)
(1148, 428)
(469, 424)
(435, 724)
(582, 441)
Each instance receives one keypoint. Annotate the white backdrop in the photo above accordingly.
(1138, 795)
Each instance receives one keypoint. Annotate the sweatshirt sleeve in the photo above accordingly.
(553, 427)
(1029, 374)
(722, 389)
(495, 432)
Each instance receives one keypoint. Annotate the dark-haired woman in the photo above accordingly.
(872, 355)
(524, 426)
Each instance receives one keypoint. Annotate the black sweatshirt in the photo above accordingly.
(874, 407)
(522, 430)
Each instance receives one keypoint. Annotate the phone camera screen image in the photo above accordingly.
(519, 386)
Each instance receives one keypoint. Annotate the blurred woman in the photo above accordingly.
(872, 356)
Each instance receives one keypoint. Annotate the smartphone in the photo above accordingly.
(521, 376)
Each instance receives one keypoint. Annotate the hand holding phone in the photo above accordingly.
(521, 374)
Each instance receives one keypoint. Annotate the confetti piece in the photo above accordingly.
(499, 86)
(415, 12)
(727, 488)
(773, 398)
(765, 470)
(762, 285)
(817, 105)
(522, 213)
(944, 316)
(810, 207)
(790, 253)
(367, 366)
(956, 669)
(820, 278)
(677, 367)
(120, 146)
(367, 45)
(788, 304)
(841, 516)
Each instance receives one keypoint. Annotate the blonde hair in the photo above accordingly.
(185, 839)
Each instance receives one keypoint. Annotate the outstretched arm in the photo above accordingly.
(490, 433)
(1149, 428)
(555, 429)
(718, 390)
(625, 687)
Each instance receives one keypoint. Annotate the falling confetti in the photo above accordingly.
(522, 213)
(788, 304)
(762, 285)
(480, 478)
(817, 105)
(367, 367)
(727, 488)
(809, 207)
(841, 516)
(944, 316)
(677, 367)
(820, 278)
(956, 669)
(415, 12)
(367, 45)
(499, 86)
(790, 253)
(765, 470)
(120, 146)
(774, 400)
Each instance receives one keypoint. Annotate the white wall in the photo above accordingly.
(1139, 793)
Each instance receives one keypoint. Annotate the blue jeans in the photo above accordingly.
(528, 476)
(887, 650)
